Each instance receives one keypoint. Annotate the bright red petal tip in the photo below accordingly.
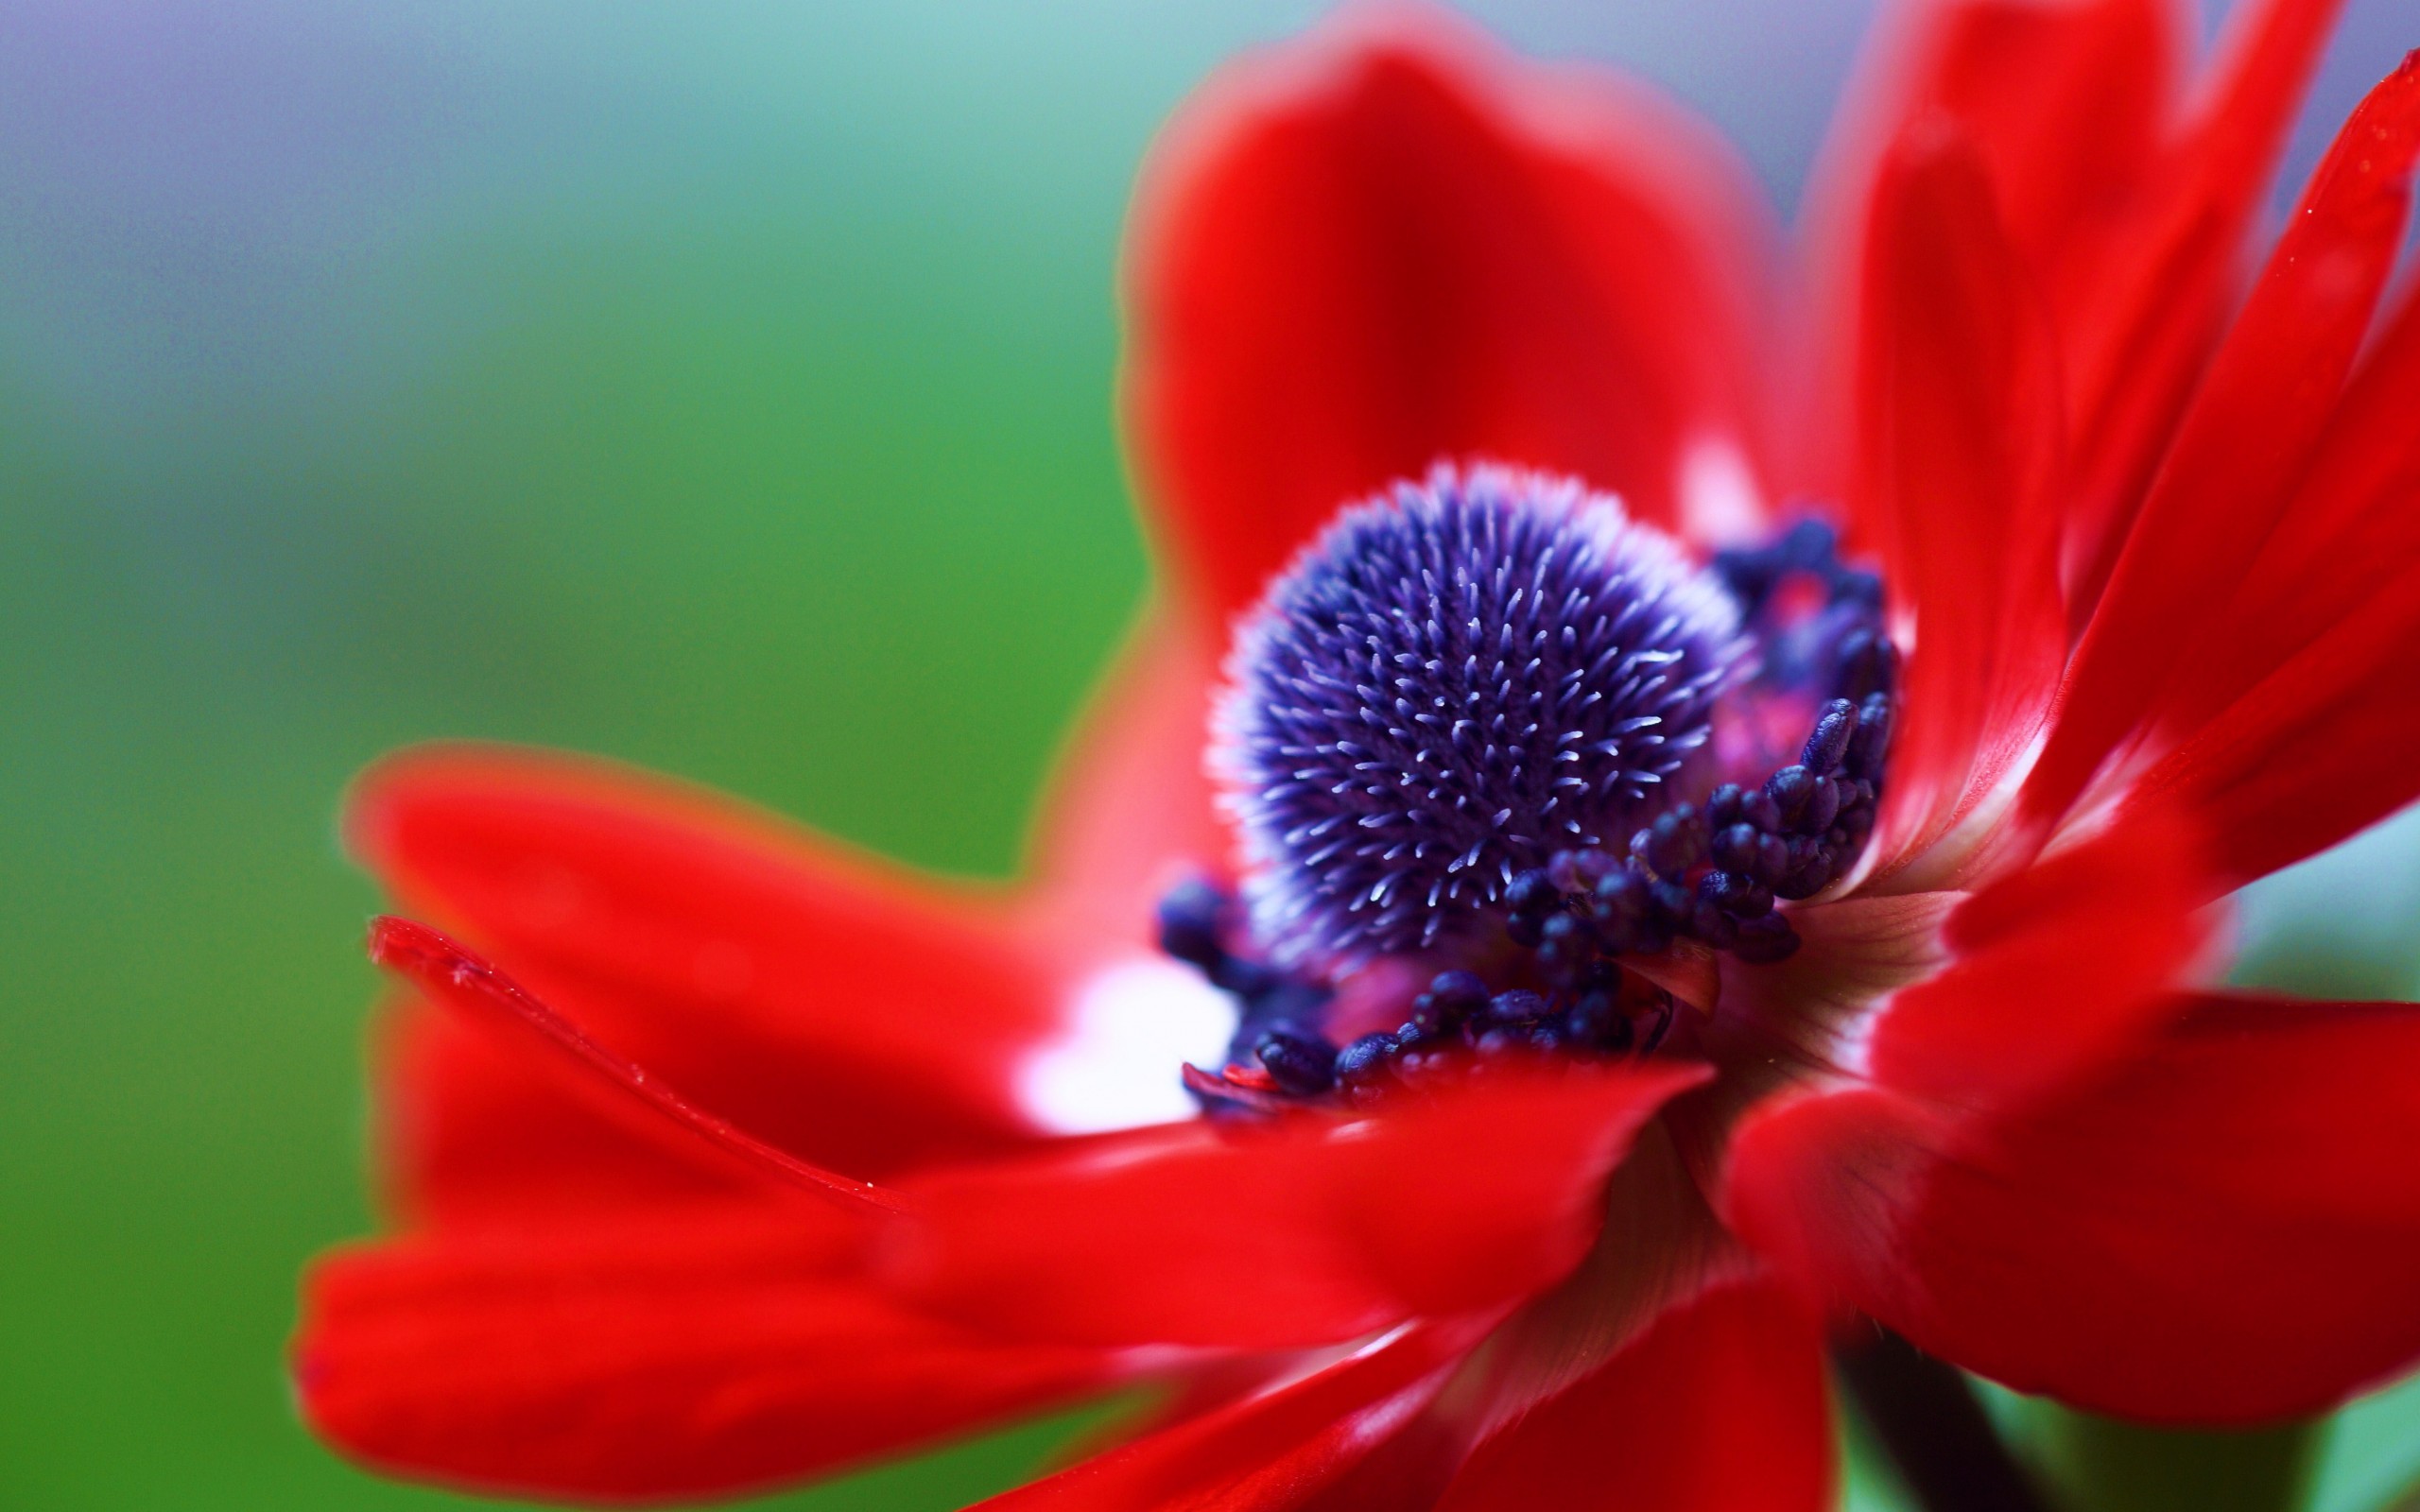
(2144, 306)
(2069, 107)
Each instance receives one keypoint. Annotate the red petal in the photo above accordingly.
(832, 1005)
(1391, 243)
(2349, 533)
(2142, 309)
(1957, 480)
(2319, 749)
(2294, 716)
(1306, 1230)
(2220, 1230)
(2054, 969)
(707, 1356)
(2066, 104)
(1284, 1449)
(1719, 1406)
(2247, 441)
(1129, 808)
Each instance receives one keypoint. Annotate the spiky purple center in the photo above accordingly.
(1452, 684)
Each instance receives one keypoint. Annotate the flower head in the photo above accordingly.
(1636, 927)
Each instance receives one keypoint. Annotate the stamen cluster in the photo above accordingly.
(1713, 874)
(1605, 1012)
(1281, 1052)
(1828, 644)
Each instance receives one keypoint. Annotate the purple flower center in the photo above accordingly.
(1450, 686)
(1490, 723)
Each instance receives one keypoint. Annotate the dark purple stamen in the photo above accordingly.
(1451, 1020)
(1191, 921)
(1195, 922)
(1303, 1064)
(1712, 874)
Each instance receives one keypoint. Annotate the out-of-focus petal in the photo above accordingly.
(2142, 308)
(2068, 106)
(2245, 445)
(1282, 1450)
(1317, 1229)
(1957, 481)
(833, 1005)
(1390, 243)
(714, 1354)
(473, 1127)
(1719, 1406)
(1130, 807)
(2218, 1229)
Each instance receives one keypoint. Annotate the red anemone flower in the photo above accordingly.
(766, 1158)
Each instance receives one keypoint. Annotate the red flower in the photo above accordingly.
(2153, 546)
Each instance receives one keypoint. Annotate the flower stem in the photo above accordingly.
(1927, 1417)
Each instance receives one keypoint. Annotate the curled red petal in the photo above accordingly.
(707, 1350)
(2288, 731)
(1309, 1230)
(2351, 532)
(2314, 752)
(451, 975)
(1391, 243)
(475, 1129)
(833, 1004)
(2217, 1231)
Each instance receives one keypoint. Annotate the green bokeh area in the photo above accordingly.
(750, 446)
(728, 397)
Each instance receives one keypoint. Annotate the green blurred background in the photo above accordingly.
(724, 388)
